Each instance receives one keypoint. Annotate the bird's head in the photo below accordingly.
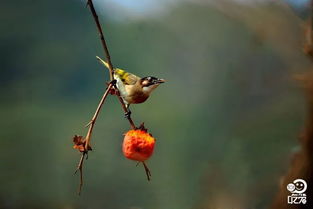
(149, 83)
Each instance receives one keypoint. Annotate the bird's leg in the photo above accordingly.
(128, 113)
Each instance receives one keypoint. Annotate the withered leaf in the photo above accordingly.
(80, 143)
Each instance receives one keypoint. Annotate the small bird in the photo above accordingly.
(132, 88)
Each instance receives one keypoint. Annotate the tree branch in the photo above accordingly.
(108, 58)
(87, 146)
(91, 124)
(104, 45)
(80, 169)
(112, 85)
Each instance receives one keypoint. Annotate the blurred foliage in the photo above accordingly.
(226, 122)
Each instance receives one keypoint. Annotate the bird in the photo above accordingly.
(133, 89)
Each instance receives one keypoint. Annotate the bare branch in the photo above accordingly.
(108, 57)
(112, 85)
(88, 137)
(104, 45)
(91, 124)
(80, 169)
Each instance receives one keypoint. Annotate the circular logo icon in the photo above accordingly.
(300, 186)
(291, 187)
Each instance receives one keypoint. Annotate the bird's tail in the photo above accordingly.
(103, 62)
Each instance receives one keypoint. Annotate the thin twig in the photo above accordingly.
(88, 137)
(108, 58)
(91, 124)
(111, 86)
(148, 173)
(104, 45)
(80, 169)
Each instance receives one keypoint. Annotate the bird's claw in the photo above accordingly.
(113, 82)
(112, 91)
(127, 114)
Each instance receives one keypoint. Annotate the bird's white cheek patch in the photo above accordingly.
(148, 89)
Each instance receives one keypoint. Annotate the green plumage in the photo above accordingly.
(132, 88)
(125, 77)
(122, 74)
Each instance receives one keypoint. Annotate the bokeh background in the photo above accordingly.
(226, 122)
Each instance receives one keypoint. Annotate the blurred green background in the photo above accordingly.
(226, 122)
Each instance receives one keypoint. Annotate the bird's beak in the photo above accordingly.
(160, 81)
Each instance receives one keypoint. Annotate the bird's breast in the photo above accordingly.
(134, 94)
(136, 99)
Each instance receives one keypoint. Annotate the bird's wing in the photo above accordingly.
(126, 78)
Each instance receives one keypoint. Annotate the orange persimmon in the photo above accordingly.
(138, 145)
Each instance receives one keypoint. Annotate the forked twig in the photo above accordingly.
(108, 58)
(80, 169)
(111, 86)
(147, 170)
(91, 125)
(92, 122)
